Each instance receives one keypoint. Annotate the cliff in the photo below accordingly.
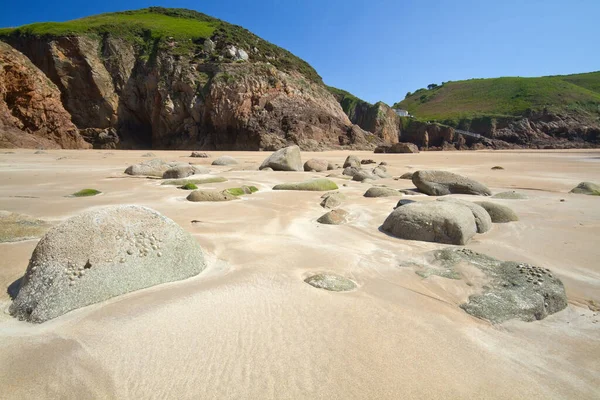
(177, 79)
(31, 112)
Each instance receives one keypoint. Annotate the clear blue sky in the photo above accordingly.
(381, 49)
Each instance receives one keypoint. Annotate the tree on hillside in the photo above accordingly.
(407, 94)
(432, 86)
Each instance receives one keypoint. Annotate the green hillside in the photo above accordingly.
(505, 97)
(156, 24)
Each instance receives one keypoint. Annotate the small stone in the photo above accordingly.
(72, 277)
(71, 283)
(159, 254)
(130, 252)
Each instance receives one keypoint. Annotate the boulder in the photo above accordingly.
(511, 195)
(510, 290)
(352, 161)
(378, 191)
(242, 190)
(315, 164)
(331, 166)
(332, 200)
(286, 159)
(149, 155)
(155, 167)
(440, 183)
(403, 202)
(334, 283)
(101, 254)
(334, 217)
(361, 175)
(398, 148)
(368, 161)
(183, 171)
(434, 221)
(210, 195)
(197, 154)
(498, 212)
(317, 185)
(381, 172)
(225, 160)
(482, 218)
(407, 175)
(588, 188)
(16, 227)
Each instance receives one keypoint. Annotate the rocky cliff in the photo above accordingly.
(31, 112)
(210, 86)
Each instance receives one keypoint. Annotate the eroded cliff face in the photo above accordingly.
(122, 96)
(31, 112)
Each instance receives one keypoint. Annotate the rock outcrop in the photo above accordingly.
(232, 91)
(31, 112)
(101, 254)
(440, 183)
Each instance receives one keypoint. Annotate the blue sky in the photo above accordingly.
(381, 49)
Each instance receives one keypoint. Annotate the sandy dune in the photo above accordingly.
(249, 327)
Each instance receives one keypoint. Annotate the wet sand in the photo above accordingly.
(248, 327)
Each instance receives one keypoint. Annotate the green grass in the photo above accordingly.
(181, 182)
(189, 186)
(152, 28)
(505, 97)
(86, 193)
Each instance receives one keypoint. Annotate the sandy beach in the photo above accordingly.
(249, 327)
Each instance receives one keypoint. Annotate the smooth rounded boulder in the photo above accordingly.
(183, 171)
(482, 218)
(498, 212)
(286, 159)
(317, 165)
(210, 195)
(334, 217)
(441, 183)
(378, 191)
(352, 161)
(332, 200)
(225, 160)
(433, 221)
(101, 254)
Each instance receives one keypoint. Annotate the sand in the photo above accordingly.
(248, 327)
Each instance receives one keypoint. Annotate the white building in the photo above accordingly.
(402, 113)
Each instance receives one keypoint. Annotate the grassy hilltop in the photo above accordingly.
(152, 26)
(506, 97)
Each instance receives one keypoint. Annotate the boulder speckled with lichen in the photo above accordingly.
(101, 254)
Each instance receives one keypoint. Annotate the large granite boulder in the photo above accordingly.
(286, 159)
(155, 167)
(482, 218)
(440, 183)
(498, 212)
(510, 290)
(379, 191)
(434, 221)
(101, 254)
(317, 165)
(588, 188)
(210, 195)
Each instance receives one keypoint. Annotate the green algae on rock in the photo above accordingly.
(317, 185)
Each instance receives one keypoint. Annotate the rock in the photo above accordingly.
(482, 218)
(398, 148)
(40, 152)
(155, 167)
(369, 161)
(209, 46)
(330, 166)
(179, 182)
(225, 160)
(197, 154)
(99, 138)
(440, 183)
(183, 171)
(31, 112)
(407, 175)
(403, 202)
(434, 221)
(510, 290)
(337, 176)
(149, 155)
(497, 167)
(101, 254)
(498, 212)
(352, 161)
(334, 217)
(383, 163)
(511, 195)
(334, 283)
(378, 191)
(242, 190)
(210, 195)
(318, 185)
(16, 227)
(588, 188)
(267, 169)
(362, 175)
(286, 159)
(315, 164)
(332, 200)
(381, 172)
